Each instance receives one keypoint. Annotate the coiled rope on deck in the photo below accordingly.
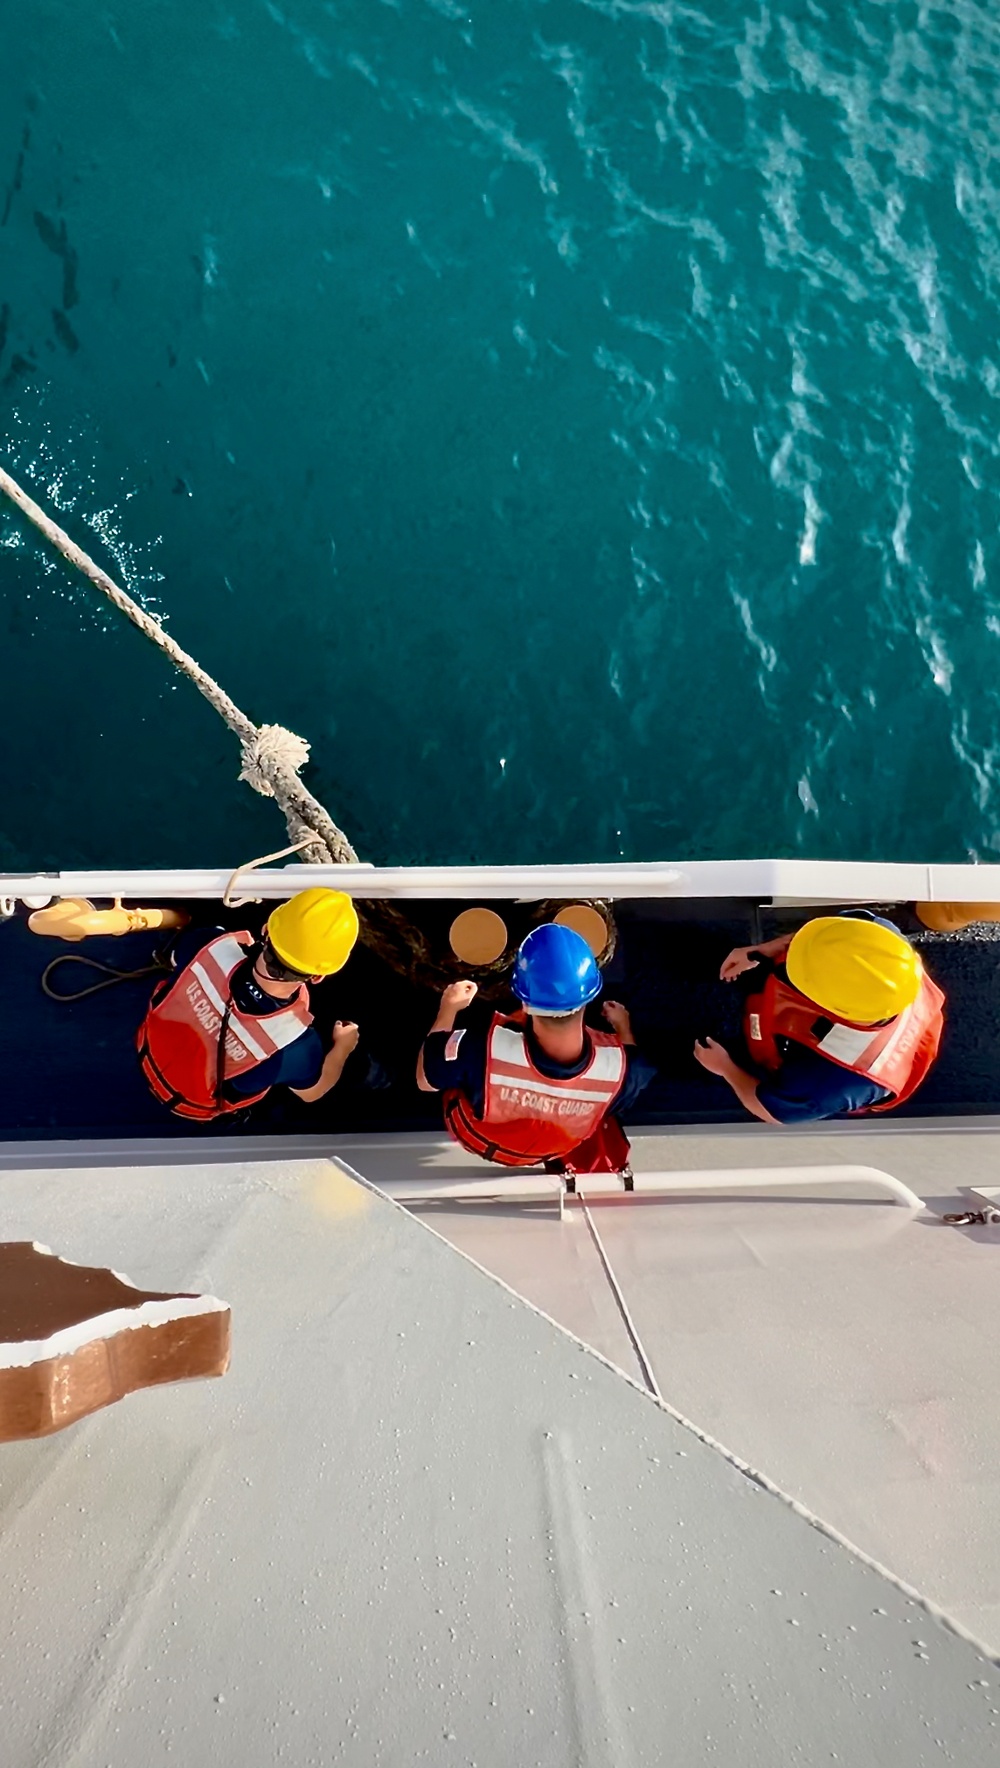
(272, 756)
(111, 976)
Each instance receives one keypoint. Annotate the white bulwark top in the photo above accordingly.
(757, 880)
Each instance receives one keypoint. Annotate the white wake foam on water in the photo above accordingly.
(308, 45)
(499, 132)
(891, 254)
(911, 585)
(793, 466)
(579, 75)
(766, 652)
(807, 797)
(51, 463)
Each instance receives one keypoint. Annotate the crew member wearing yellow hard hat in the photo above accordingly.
(845, 1020)
(235, 1020)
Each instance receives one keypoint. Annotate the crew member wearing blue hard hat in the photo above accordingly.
(538, 1085)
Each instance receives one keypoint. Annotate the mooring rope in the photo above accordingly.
(272, 756)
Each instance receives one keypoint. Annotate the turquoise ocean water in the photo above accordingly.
(578, 418)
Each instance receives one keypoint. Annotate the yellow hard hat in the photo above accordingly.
(315, 931)
(854, 969)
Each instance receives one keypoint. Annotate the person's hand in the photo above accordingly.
(345, 1036)
(617, 1017)
(738, 963)
(458, 995)
(715, 1057)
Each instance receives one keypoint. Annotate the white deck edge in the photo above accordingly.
(20, 1156)
(789, 881)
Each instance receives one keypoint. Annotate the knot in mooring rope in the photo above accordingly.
(270, 756)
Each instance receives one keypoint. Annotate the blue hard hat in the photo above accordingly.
(554, 971)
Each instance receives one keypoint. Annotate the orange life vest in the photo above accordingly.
(528, 1116)
(179, 1039)
(896, 1055)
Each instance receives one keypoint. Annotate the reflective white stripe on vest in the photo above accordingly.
(608, 1064)
(227, 953)
(606, 1068)
(282, 1028)
(889, 1048)
(579, 1086)
(209, 986)
(510, 1062)
(236, 1023)
(509, 1046)
(847, 1043)
(554, 1092)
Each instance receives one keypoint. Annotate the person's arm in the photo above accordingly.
(617, 1017)
(345, 1039)
(740, 960)
(456, 996)
(718, 1061)
(808, 1088)
(639, 1070)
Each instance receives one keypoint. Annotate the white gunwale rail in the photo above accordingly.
(786, 881)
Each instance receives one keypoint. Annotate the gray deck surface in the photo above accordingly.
(835, 1342)
(417, 1523)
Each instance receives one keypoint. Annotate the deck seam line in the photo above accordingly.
(638, 1347)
